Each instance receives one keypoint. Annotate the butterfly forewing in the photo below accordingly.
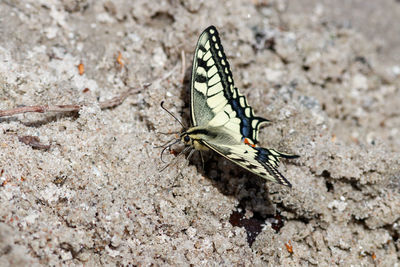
(215, 101)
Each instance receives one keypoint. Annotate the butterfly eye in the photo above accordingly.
(186, 139)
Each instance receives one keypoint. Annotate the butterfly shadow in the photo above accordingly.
(255, 207)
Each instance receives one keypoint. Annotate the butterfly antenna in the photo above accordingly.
(170, 113)
(169, 133)
(163, 145)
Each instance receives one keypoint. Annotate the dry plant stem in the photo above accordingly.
(33, 141)
(68, 108)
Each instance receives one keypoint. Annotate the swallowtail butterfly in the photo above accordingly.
(220, 116)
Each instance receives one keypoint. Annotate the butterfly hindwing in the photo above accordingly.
(258, 160)
(215, 101)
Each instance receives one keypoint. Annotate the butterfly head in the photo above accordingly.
(186, 139)
(192, 138)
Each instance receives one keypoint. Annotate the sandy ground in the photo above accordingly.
(95, 196)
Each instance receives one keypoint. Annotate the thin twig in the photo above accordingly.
(33, 141)
(68, 108)
(119, 99)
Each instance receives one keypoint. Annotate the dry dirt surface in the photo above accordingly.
(83, 188)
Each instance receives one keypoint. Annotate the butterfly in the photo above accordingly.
(221, 118)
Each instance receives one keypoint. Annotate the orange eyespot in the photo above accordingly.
(247, 142)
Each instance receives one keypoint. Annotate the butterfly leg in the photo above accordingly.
(186, 163)
(202, 159)
(174, 161)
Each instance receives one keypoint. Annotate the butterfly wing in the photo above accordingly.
(260, 161)
(221, 118)
(214, 99)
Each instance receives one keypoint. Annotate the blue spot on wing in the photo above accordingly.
(263, 154)
(245, 126)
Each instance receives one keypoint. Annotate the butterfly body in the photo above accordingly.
(221, 118)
